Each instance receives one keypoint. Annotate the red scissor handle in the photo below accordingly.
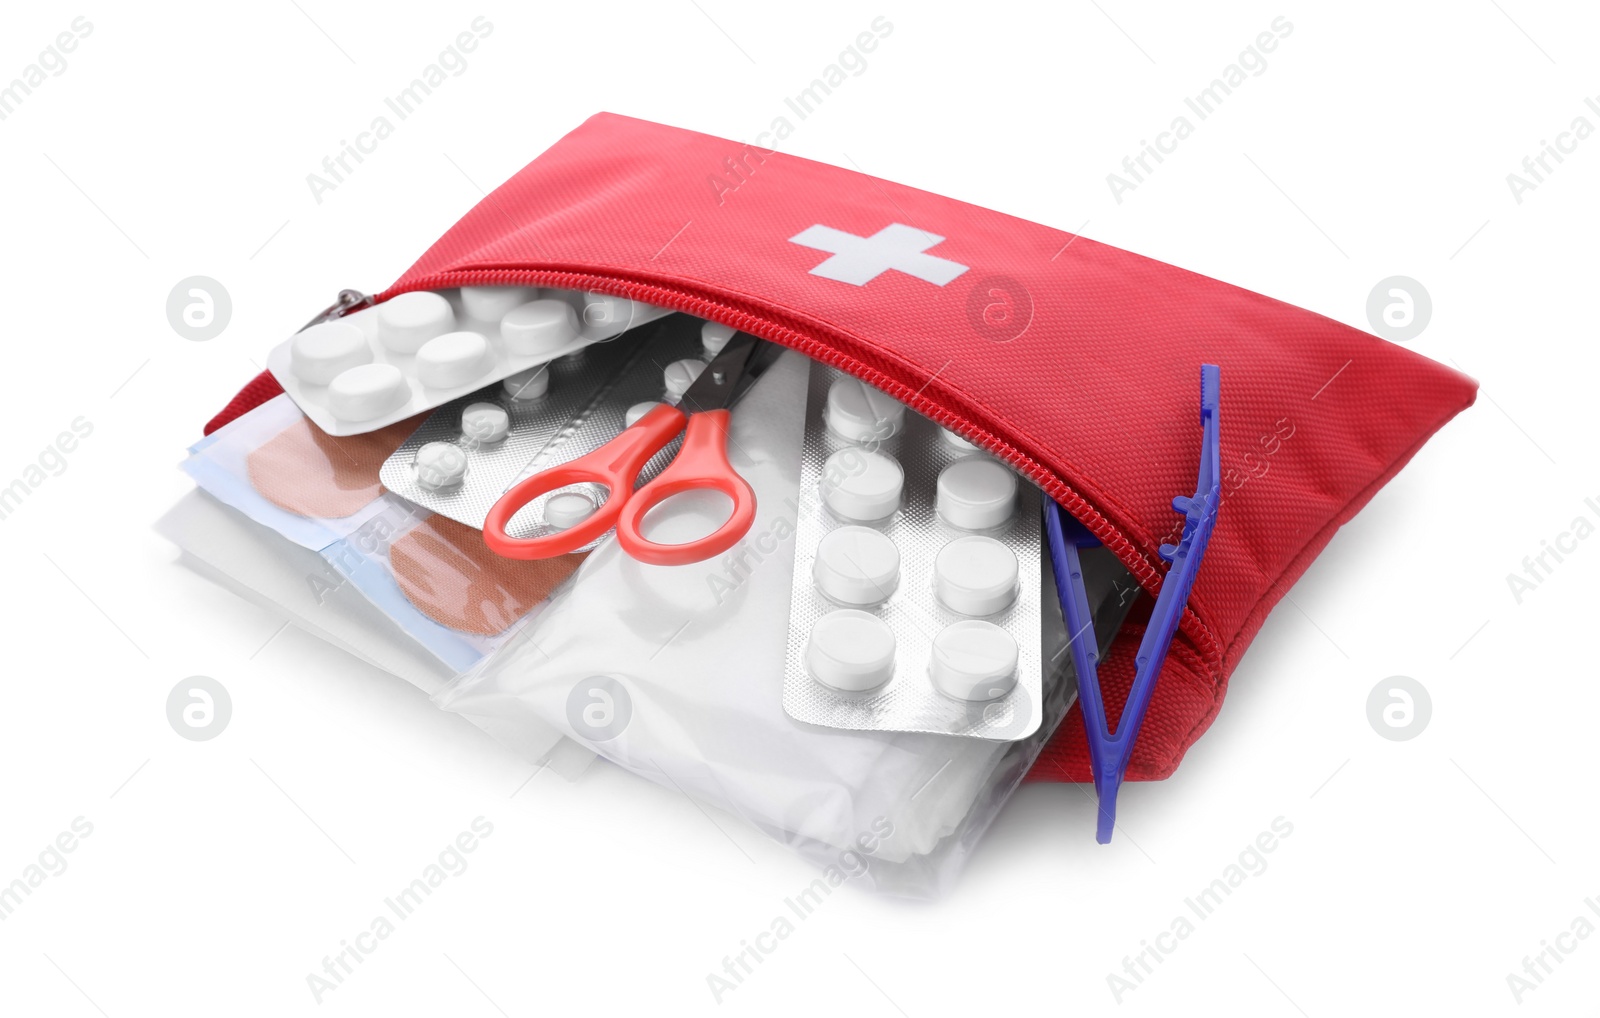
(615, 465)
(702, 464)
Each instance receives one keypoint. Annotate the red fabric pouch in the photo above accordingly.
(1073, 361)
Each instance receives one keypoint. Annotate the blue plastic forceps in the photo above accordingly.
(1109, 752)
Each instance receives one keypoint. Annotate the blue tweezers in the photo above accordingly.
(1109, 751)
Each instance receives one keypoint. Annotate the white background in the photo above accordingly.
(1377, 142)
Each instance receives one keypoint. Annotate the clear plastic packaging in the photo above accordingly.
(676, 673)
(431, 576)
(281, 470)
(438, 581)
(298, 586)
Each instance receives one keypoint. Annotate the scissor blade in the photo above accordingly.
(718, 385)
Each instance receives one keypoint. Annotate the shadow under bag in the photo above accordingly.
(1073, 361)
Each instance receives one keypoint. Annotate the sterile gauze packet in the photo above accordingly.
(297, 585)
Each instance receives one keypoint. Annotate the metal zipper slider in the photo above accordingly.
(346, 302)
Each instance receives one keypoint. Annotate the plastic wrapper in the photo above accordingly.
(281, 470)
(300, 587)
(676, 673)
(431, 576)
(440, 584)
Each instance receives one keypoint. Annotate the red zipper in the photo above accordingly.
(800, 337)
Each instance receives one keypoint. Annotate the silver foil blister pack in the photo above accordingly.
(466, 454)
(938, 570)
(374, 366)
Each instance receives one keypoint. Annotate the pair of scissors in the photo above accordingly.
(701, 464)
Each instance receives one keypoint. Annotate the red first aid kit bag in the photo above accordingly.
(1073, 361)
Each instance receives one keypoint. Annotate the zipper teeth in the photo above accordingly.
(1109, 535)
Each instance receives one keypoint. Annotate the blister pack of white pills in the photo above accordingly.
(382, 364)
(472, 449)
(916, 600)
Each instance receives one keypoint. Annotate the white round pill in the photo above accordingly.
(851, 650)
(367, 391)
(490, 303)
(567, 509)
(411, 319)
(681, 374)
(539, 327)
(452, 360)
(320, 353)
(529, 384)
(862, 484)
(714, 336)
(973, 660)
(440, 465)
(976, 494)
(638, 410)
(856, 566)
(975, 576)
(955, 441)
(485, 423)
(858, 413)
(603, 312)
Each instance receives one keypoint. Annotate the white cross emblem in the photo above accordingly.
(860, 260)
